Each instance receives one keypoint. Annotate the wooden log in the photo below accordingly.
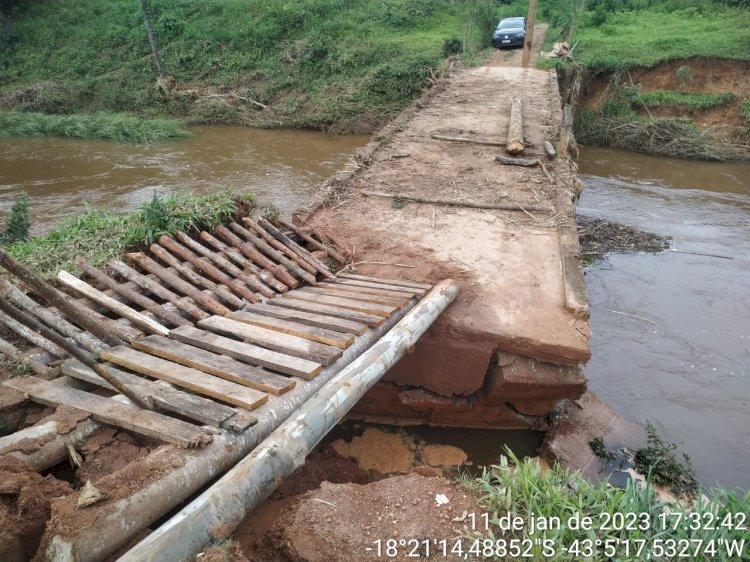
(251, 253)
(11, 352)
(186, 377)
(309, 318)
(112, 412)
(157, 289)
(272, 253)
(306, 306)
(321, 335)
(455, 203)
(297, 249)
(115, 306)
(402, 298)
(248, 353)
(514, 144)
(310, 240)
(205, 267)
(550, 149)
(270, 240)
(271, 339)
(248, 266)
(354, 296)
(384, 281)
(31, 336)
(176, 283)
(131, 295)
(195, 278)
(164, 396)
(215, 364)
(348, 304)
(248, 279)
(451, 138)
(30, 322)
(59, 299)
(526, 162)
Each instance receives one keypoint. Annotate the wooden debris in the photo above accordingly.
(157, 289)
(514, 144)
(310, 240)
(347, 281)
(456, 203)
(252, 354)
(164, 395)
(115, 306)
(465, 139)
(238, 258)
(369, 319)
(271, 339)
(11, 352)
(527, 162)
(321, 335)
(402, 297)
(175, 282)
(348, 304)
(297, 249)
(112, 412)
(186, 377)
(31, 336)
(309, 318)
(133, 296)
(352, 295)
(215, 364)
(59, 299)
(252, 225)
(90, 495)
(248, 279)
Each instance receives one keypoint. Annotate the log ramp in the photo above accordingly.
(205, 344)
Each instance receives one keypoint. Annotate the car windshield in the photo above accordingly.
(509, 24)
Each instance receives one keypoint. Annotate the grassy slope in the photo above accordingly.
(344, 64)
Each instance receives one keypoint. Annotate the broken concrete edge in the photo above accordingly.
(340, 182)
(143, 491)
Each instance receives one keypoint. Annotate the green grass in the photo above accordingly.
(690, 100)
(344, 65)
(106, 125)
(745, 110)
(524, 489)
(99, 235)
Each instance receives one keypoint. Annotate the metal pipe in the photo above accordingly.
(218, 511)
(118, 521)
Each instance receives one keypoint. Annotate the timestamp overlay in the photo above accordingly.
(618, 536)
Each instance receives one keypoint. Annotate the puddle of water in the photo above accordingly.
(685, 363)
(62, 175)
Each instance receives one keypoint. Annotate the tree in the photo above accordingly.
(152, 39)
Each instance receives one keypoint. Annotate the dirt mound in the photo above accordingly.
(341, 522)
(599, 237)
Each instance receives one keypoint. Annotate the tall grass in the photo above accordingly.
(690, 100)
(524, 489)
(106, 125)
(100, 235)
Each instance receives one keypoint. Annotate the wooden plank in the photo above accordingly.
(252, 354)
(164, 396)
(106, 410)
(369, 285)
(310, 319)
(322, 335)
(108, 302)
(186, 377)
(356, 306)
(337, 286)
(397, 282)
(214, 364)
(271, 339)
(305, 306)
(351, 295)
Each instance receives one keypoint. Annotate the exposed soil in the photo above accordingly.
(598, 237)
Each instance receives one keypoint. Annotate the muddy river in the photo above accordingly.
(62, 175)
(682, 357)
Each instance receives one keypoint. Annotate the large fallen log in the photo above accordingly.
(217, 512)
(455, 203)
(515, 145)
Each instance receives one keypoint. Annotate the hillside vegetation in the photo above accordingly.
(345, 65)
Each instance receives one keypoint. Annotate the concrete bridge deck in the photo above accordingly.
(519, 328)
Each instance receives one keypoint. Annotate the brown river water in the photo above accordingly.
(62, 175)
(684, 363)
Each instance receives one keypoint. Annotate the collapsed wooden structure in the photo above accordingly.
(214, 338)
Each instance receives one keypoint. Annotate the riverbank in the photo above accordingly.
(321, 64)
